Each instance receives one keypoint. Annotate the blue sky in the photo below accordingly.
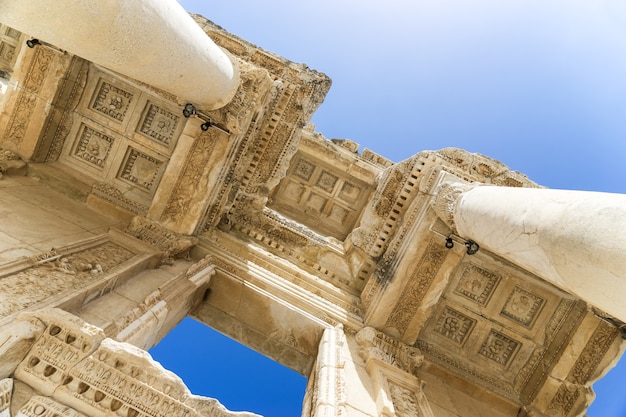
(538, 85)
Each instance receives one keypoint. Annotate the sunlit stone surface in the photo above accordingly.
(120, 217)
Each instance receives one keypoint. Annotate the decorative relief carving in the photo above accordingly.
(16, 129)
(584, 368)
(112, 101)
(558, 332)
(477, 284)
(21, 116)
(93, 146)
(77, 366)
(405, 402)
(417, 286)
(434, 353)
(304, 169)
(172, 244)
(13, 33)
(7, 51)
(39, 406)
(473, 167)
(603, 336)
(75, 84)
(187, 183)
(498, 347)
(140, 169)
(319, 197)
(11, 163)
(327, 181)
(522, 306)
(38, 70)
(375, 344)
(56, 274)
(159, 124)
(6, 390)
(446, 199)
(454, 325)
(114, 195)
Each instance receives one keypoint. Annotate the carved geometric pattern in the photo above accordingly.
(159, 124)
(6, 51)
(52, 276)
(38, 406)
(13, 33)
(327, 181)
(140, 169)
(477, 284)
(405, 402)
(454, 325)
(112, 101)
(349, 192)
(6, 389)
(316, 202)
(93, 146)
(522, 306)
(304, 169)
(22, 113)
(422, 277)
(498, 347)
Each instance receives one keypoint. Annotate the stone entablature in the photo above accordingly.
(75, 370)
(331, 261)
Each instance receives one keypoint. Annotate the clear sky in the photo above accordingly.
(539, 85)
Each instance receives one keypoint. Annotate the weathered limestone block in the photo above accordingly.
(16, 340)
(86, 374)
(6, 389)
(172, 244)
(10, 162)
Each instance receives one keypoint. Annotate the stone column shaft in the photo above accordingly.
(574, 239)
(153, 41)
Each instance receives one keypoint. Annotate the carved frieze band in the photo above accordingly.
(58, 272)
(417, 286)
(88, 374)
(191, 177)
(405, 401)
(59, 123)
(172, 244)
(6, 389)
(114, 195)
(39, 406)
(375, 344)
(585, 366)
(25, 105)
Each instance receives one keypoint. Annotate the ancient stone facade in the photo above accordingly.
(121, 216)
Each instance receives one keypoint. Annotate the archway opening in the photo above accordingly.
(216, 366)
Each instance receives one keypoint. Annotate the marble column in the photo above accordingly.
(153, 41)
(573, 239)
